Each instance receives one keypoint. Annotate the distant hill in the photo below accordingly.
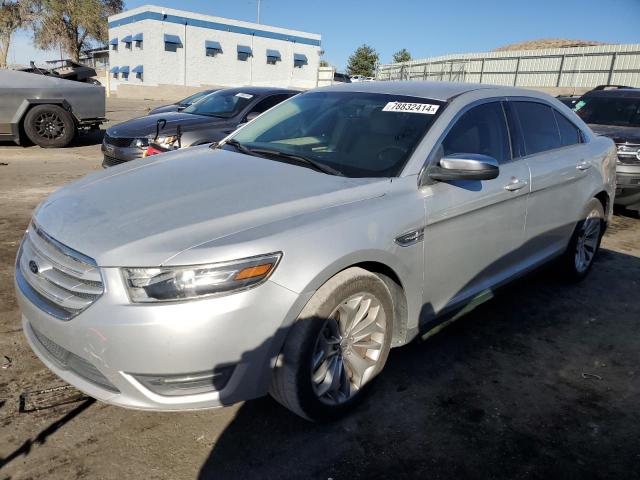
(547, 43)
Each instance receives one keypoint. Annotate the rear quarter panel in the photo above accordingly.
(603, 177)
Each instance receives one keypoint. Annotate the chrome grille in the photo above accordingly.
(628, 153)
(71, 361)
(118, 141)
(56, 278)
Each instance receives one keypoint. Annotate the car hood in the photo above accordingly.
(146, 126)
(147, 211)
(618, 134)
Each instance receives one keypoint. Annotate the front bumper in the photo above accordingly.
(113, 155)
(120, 339)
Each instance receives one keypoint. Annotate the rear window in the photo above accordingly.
(538, 126)
(569, 133)
(619, 111)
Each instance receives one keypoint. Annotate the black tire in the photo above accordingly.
(292, 384)
(572, 268)
(49, 126)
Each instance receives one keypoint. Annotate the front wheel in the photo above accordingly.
(338, 345)
(585, 242)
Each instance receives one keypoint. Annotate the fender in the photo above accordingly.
(27, 103)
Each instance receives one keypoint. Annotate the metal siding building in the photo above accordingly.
(565, 68)
(174, 47)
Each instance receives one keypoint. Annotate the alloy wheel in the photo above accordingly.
(348, 348)
(587, 243)
(49, 125)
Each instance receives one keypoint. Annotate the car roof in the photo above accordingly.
(616, 93)
(258, 90)
(434, 90)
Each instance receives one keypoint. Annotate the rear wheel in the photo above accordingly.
(585, 242)
(49, 126)
(337, 346)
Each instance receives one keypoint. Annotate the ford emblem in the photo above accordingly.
(33, 266)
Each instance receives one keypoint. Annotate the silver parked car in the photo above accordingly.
(291, 258)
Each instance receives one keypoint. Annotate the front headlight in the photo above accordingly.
(167, 141)
(141, 142)
(165, 284)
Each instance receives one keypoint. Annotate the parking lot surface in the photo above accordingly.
(541, 382)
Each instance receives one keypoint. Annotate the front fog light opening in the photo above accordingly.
(187, 383)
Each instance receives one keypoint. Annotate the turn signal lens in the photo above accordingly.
(252, 272)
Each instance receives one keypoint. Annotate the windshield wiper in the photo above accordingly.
(320, 167)
(238, 146)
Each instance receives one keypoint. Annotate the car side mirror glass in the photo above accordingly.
(465, 166)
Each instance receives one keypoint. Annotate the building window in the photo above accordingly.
(124, 73)
(212, 48)
(114, 72)
(273, 57)
(127, 42)
(244, 53)
(139, 71)
(299, 60)
(137, 38)
(114, 44)
(172, 43)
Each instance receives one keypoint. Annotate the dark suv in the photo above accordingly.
(616, 114)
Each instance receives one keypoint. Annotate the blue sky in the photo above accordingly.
(424, 27)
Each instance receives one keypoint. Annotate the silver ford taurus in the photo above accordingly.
(289, 258)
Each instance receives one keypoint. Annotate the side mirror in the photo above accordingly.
(465, 166)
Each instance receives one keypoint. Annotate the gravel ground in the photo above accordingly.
(541, 382)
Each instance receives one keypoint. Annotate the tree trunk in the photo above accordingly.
(5, 41)
(77, 45)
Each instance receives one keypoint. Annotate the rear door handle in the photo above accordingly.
(583, 165)
(515, 185)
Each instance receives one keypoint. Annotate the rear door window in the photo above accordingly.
(482, 129)
(538, 126)
(569, 133)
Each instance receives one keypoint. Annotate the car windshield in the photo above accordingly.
(223, 104)
(355, 133)
(620, 111)
(193, 98)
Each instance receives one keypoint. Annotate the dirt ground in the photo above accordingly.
(541, 382)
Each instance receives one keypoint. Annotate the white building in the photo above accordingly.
(152, 46)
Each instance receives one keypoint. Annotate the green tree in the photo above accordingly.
(401, 56)
(14, 15)
(74, 25)
(363, 61)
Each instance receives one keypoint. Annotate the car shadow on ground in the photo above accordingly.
(540, 382)
(625, 212)
(42, 437)
(92, 137)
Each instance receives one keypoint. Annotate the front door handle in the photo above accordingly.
(583, 165)
(515, 185)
